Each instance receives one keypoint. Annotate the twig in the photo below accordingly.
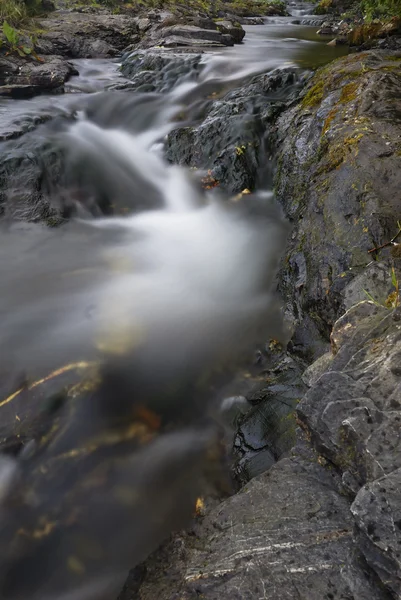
(390, 243)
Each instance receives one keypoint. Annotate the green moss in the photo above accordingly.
(315, 95)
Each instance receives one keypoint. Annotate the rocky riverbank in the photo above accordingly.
(319, 511)
(69, 34)
(324, 521)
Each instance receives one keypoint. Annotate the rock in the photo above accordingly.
(235, 31)
(267, 431)
(377, 513)
(287, 532)
(160, 71)
(316, 369)
(338, 41)
(80, 35)
(24, 78)
(352, 411)
(373, 283)
(326, 30)
(170, 34)
(250, 20)
(337, 179)
(230, 140)
(303, 526)
(366, 35)
(32, 200)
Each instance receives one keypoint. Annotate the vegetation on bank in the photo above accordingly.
(368, 10)
(18, 12)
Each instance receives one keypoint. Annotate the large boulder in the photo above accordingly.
(338, 179)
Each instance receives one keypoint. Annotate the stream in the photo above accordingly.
(283, 40)
(153, 294)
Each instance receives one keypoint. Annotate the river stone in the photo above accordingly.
(267, 431)
(160, 71)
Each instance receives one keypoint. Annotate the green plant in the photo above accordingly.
(380, 9)
(13, 11)
(20, 43)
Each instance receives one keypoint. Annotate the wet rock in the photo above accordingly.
(267, 431)
(160, 71)
(24, 78)
(326, 30)
(32, 200)
(181, 34)
(323, 523)
(236, 133)
(235, 31)
(337, 178)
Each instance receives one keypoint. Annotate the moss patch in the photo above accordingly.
(329, 119)
(348, 93)
(315, 95)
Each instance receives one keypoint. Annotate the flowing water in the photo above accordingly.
(163, 295)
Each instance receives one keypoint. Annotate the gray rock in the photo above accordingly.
(290, 532)
(232, 140)
(316, 369)
(373, 282)
(235, 31)
(377, 513)
(80, 35)
(339, 169)
(287, 534)
(24, 78)
(159, 70)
